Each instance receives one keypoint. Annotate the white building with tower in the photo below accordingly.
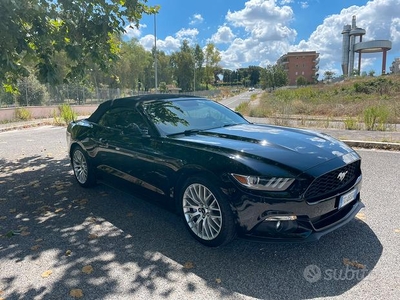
(352, 44)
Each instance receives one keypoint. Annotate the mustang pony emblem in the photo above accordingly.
(342, 175)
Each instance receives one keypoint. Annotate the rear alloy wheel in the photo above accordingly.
(82, 169)
(206, 213)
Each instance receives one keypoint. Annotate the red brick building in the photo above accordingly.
(298, 64)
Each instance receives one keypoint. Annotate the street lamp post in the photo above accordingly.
(194, 79)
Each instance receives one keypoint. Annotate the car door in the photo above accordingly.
(105, 136)
(125, 148)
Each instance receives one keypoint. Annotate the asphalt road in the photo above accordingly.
(110, 243)
(235, 101)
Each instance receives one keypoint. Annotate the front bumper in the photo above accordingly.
(259, 218)
(305, 231)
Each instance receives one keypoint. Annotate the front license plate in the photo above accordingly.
(348, 197)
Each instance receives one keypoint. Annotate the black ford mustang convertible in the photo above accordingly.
(225, 175)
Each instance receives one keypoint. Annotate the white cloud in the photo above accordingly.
(260, 12)
(395, 30)
(131, 31)
(252, 52)
(147, 41)
(304, 4)
(196, 19)
(187, 33)
(224, 35)
(170, 44)
(268, 33)
(284, 2)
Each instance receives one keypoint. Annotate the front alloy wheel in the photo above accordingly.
(206, 213)
(82, 170)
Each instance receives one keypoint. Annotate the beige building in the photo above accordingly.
(298, 64)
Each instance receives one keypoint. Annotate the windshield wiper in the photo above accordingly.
(232, 124)
(186, 132)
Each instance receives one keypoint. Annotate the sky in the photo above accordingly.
(258, 32)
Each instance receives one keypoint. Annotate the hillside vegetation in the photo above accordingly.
(373, 102)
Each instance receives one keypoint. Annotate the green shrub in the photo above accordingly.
(363, 87)
(378, 85)
(65, 115)
(327, 122)
(351, 124)
(301, 81)
(243, 108)
(376, 117)
(23, 114)
(258, 112)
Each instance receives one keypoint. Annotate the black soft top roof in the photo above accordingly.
(131, 102)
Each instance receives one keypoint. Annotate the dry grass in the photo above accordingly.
(346, 100)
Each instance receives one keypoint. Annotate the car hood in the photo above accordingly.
(301, 149)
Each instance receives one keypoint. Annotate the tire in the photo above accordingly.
(206, 212)
(82, 168)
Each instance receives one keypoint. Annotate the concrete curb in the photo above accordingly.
(23, 125)
(373, 145)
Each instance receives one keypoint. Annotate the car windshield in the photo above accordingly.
(190, 115)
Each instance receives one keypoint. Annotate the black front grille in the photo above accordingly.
(330, 184)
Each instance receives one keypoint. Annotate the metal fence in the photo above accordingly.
(45, 95)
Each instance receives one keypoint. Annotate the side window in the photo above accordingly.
(123, 118)
(109, 119)
(131, 120)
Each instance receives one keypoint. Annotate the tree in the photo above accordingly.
(301, 81)
(273, 76)
(164, 67)
(134, 60)
(227, 75)
(163, 87)
(355, 72)
(6, 99)
(243, 76)
(183, 65)
(198, 65)
(212, 58)
(254, 75)
(31, 92)
(328, 75)
(34, 31)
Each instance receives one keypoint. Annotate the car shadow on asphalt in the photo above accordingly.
(133, 244)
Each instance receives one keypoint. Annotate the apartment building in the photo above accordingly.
(298, 64)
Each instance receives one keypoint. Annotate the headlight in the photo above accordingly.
(264, 183)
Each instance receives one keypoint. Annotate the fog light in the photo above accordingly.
(280, 218)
